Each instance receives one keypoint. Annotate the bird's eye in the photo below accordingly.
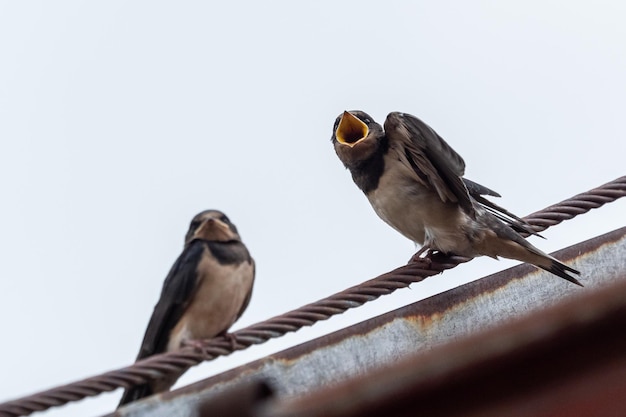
(194, 224)
(225, 219)
(367, 121)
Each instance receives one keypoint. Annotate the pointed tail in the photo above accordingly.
(135, 393)
(560, 269)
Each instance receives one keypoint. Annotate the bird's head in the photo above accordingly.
(212, 225)
(356, 137)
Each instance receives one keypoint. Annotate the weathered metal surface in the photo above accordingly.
(420, 327)
(566, 360)
(242, 400)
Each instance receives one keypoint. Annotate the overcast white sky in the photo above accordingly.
(121, 120)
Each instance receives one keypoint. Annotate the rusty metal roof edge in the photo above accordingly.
(436, 304)
(550, 345)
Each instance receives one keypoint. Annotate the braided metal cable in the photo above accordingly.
(157, 366)
(579, 204)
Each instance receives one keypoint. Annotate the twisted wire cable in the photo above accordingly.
(158, 366)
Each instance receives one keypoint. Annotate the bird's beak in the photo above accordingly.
(215, 230)
(351, 130)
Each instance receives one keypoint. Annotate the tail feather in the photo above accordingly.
(510, 244)
(135, 393)
(560, 269)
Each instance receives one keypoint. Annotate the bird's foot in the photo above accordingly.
(232, 339)
(424, 259)
(196, 344)
(418, 255)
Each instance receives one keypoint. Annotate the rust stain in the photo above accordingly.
(424, 322)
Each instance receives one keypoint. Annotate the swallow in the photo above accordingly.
(414, 181)
(205, 292)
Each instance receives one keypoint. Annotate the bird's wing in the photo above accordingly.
(477, 191)
(178, 289)
(436, 164)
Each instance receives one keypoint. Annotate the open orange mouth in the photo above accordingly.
(351, 130)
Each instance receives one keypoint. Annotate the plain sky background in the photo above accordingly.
(120, 120)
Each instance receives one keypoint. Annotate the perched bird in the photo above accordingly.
(413, 180)
(205, 292)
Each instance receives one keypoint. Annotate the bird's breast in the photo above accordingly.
(415, 210)
(401, 202)
(220, 295)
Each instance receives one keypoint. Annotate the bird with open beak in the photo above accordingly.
(414, 181)
(205, 292)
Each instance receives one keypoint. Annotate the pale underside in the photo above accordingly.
(216, 303)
